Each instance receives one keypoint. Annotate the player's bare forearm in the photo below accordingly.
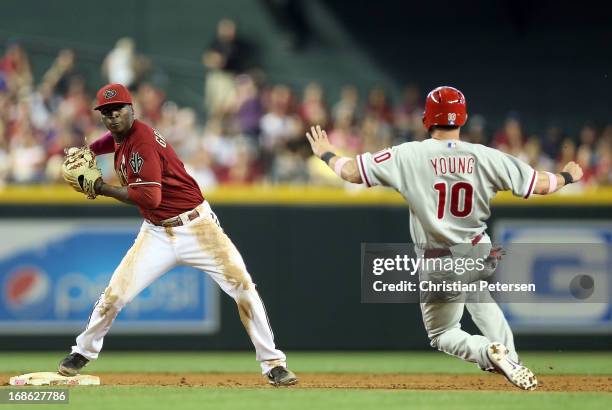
(120, 193)
(349, 171)
(542, 185)
(345, 168)
(548, 183)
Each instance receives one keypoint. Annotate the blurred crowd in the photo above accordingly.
(251, 131)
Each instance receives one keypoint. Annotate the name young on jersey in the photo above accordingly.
(453, 165)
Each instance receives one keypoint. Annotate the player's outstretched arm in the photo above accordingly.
(344, 167)
(547, 182)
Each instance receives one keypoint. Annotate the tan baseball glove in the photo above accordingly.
(80, 170)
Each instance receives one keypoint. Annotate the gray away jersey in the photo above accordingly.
(448, 185)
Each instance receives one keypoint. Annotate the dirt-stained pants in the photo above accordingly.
(200, 243)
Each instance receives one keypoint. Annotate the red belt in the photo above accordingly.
(441, 253)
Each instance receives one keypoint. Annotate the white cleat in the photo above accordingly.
(517, 374)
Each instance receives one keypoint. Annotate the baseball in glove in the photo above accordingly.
(80, 170)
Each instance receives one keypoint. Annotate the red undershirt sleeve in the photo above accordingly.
(103, 145)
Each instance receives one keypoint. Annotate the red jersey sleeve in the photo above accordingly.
(144, 171)
(146, 196)
(103, 145)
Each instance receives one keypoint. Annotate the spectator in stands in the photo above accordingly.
(585, 153)
(199, 165)
(220, 144)
(376, 134)
(409, 114)
(124, 66)
(245, 169)
(552, 141)
(179, 127)
(119, 64)
(226, 56)
(378, 106)
(281, 143)
(75, 108)
(313, 109)
(59, 83)
(344, 136)
(258, 138)
(150, 100)
(348, 104)
(533, 155)
(186, 130)
(603, 158)
(42, 106)
(27, 157)
(15, 69)
(249, 108)
(510, 139)
(568, 150)
(167, 121)
(588, 135)
(61, 72)
(280, 124)
(584, 158)
(289, 164)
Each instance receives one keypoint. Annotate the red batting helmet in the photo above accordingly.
(112, 94)
(444, 106)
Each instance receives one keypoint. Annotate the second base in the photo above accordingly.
(53, 379)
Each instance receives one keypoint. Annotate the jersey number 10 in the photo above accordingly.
(458, 190)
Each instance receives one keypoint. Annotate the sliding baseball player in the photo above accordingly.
(449, 184)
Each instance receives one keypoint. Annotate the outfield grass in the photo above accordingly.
(142, 397)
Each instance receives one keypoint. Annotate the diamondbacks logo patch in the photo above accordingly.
(110, 93)
(136, 162)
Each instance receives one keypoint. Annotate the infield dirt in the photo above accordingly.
(565, 383)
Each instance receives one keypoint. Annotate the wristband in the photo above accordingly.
(552, 182)
(327, 156)
(567, 177)
(339, 164)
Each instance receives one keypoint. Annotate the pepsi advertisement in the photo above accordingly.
(53, 271)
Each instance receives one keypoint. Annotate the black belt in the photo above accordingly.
(441, 253)
(177, 221)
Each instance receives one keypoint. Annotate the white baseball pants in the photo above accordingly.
(200, 243)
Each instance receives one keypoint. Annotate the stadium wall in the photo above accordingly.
(305, 259)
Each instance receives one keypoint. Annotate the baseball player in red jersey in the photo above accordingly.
(448, 184)
(179, 228)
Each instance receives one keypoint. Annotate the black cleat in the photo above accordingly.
(281, 376)
(72, 364)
